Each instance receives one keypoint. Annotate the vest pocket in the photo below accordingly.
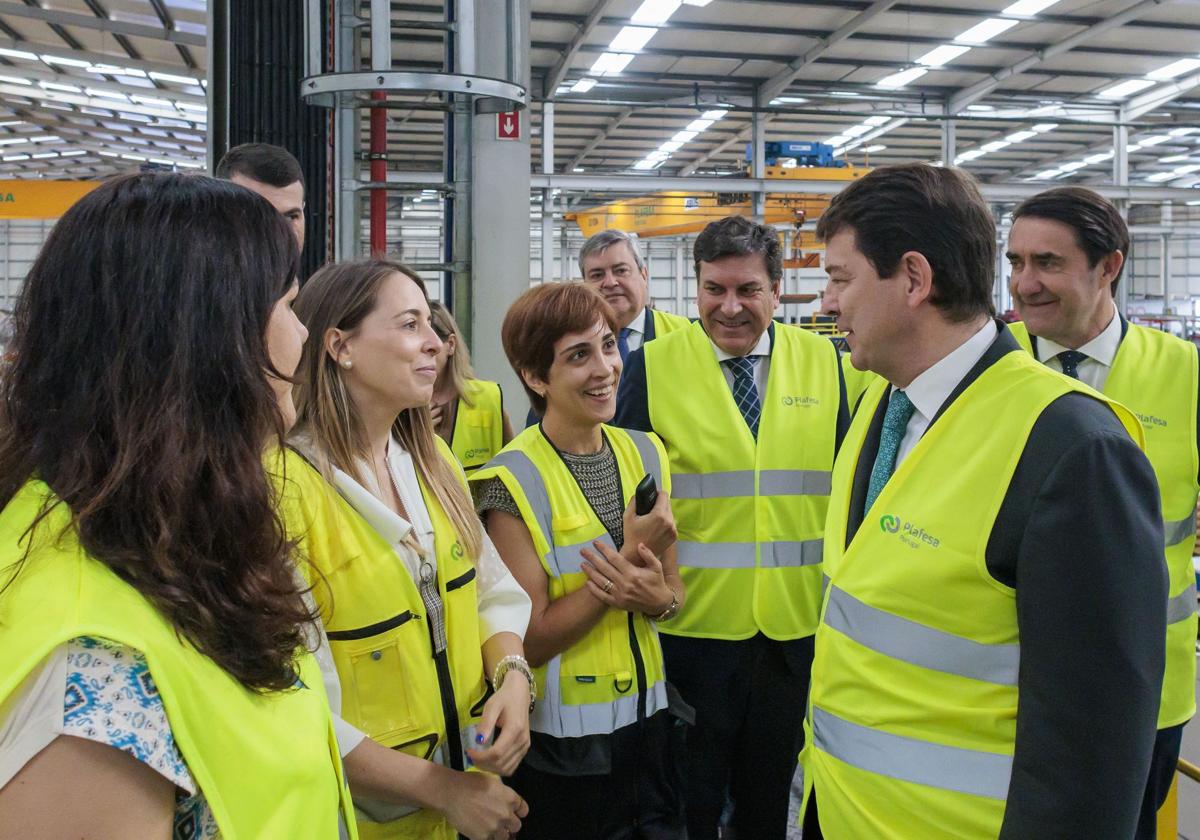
(377, 672)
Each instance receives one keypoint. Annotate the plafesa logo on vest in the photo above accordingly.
(914, 536)
(801, 401)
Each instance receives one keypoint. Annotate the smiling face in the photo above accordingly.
(614, 273)
(870, 310)
(393, 352)
(581, 386)
(1058, 295)
(285, 342)
(736, 299)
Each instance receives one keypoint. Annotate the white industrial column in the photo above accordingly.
(499, 199)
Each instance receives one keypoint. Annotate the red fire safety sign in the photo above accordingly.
(508, 125)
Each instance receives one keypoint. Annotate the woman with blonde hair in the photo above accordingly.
(419, 610)
(468, 413)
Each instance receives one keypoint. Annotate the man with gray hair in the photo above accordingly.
(611, 263)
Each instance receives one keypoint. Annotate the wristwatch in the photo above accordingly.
(672, 609)
(521, 665)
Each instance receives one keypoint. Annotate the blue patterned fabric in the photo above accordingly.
(895, 422)
(110, 697)
(745, 391)
(1070, 359)
(623, 342)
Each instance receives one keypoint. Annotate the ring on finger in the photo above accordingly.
(608, 586)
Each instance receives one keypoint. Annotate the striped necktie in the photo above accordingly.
(745, 391)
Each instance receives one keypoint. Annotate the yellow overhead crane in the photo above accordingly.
(675, 213)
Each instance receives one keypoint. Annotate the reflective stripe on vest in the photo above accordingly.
(1182, 606)
(552, 716)
(911, 760)
(727, 485)
(920, 645)
(1179, 530)
(771, 555)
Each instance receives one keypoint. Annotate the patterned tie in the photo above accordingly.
(1070, 359)
(745, 392)
(895, 422)
(623, 342)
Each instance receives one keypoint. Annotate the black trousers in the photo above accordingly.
(1162, 770)
(749, 698)
(639, 798)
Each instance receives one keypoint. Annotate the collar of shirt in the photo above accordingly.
(638, 324)
(931, 389)
(390, 525)
(763, 348)
(1102, 348)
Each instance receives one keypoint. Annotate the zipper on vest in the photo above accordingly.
(639, 666)
(371, 629)
(436, 622)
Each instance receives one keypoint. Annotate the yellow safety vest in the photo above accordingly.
(267, 763)
(595, 686)
(478, 427)
(857, 381)
(1156, 375)
(393, 686)
(665, 322)
(750, 515)
(912, 716)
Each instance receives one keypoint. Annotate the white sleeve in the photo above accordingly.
(32, 716)
(504, 607)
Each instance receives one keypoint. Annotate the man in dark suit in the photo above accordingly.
(990, 652)
(1067, 250)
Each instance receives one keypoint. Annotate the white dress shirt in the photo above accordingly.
(929, 391)
(760, 356)
(637, 330)
(1100, 352)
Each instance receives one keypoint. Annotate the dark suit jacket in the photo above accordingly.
(1079, 535)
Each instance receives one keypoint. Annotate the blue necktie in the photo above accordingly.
(745, 392)
(1070, 359)
(895, 422)
(623, 342)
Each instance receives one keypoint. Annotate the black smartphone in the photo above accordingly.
(645, 496)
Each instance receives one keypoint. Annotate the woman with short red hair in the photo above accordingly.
(558, 503)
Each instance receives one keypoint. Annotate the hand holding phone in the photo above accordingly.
(645, 495)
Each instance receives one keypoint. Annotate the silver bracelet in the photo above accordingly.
(514, 662)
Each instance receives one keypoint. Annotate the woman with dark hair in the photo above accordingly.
(468, 413)
(155, 678)
(419, 609)
(558, 502)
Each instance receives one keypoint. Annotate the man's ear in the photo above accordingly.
(1110, 267)
(917, 275)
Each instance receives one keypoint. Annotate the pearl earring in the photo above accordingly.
(347, 364)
